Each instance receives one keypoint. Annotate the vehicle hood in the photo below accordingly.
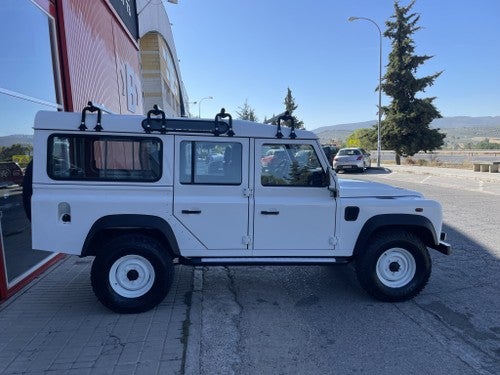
(361, 188)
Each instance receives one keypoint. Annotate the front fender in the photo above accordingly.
(420, 225)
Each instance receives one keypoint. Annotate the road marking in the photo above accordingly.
(481, 186)
(425, 179)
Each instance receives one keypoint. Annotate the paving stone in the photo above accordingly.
(56, 325)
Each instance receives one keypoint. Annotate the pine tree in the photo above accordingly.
(290, 106)
(406, 126)
(246, 112)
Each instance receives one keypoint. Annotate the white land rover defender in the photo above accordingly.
(139, 193)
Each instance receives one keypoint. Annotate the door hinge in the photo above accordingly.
(333, 241)
(247, 192)
(247, 240)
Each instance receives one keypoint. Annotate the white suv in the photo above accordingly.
(142, 193)
(348, 159)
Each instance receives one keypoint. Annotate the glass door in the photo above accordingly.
(29, 82)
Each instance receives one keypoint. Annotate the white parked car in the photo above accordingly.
(351, 159)
(139, 193)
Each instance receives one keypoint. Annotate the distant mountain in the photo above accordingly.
(445, 122)
(465, 121)
(490, 125)
(10, 140)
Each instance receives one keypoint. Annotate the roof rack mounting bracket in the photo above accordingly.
(286, 117)
(90, 108)
(220, 115)
(148, 125)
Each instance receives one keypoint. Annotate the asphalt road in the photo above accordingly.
(317, 319)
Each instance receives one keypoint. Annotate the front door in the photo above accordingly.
(294, 212)
(211, 191)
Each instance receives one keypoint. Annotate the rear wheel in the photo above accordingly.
(132, 274)
(395, 267)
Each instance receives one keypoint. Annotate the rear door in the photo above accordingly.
(211, 195)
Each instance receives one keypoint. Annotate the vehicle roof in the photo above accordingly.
(112, 123)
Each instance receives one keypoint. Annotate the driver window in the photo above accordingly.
(291, 165)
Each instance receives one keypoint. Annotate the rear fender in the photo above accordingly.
(129, 223)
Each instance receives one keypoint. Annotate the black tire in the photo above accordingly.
(395, 267)
(28, 189)
(132, 274)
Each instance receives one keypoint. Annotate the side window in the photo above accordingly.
(104, 158)
(290, 165)
(215, 163)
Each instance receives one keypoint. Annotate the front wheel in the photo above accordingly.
(395, 267)
(132, 274)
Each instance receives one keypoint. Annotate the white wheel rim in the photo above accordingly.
(131, 276)
(396, 267)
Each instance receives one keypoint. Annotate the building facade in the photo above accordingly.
(161, 78)
(57, 55)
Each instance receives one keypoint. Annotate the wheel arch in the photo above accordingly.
(419, 225)
(112, 225)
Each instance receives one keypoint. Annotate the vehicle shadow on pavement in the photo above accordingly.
(454, 314)
(459, 295)
(378, 170)
(371, 170)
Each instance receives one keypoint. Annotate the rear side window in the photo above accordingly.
(104, 158)
(210, 163)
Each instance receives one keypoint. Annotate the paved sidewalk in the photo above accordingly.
(445, 172)
(56, 325)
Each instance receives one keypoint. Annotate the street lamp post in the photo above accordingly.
(199, 104)
(379, 137)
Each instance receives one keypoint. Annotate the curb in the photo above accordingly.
(192, 361)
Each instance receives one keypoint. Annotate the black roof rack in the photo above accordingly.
(156, 121)
(162, 125)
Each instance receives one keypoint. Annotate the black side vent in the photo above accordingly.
(351, 213)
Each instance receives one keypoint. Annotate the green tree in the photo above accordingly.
(486, 145)
(405, 128)
(246, 112)
(365, 138)
(6, 153)
(290, 107)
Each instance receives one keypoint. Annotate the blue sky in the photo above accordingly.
(237, 50)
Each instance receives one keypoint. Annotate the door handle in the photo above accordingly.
(191, 212)
(270, 212)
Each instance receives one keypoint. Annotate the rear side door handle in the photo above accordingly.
(191, 212)
(270, 212)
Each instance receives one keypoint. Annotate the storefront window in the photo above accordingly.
(29, 82)
(26, 34)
